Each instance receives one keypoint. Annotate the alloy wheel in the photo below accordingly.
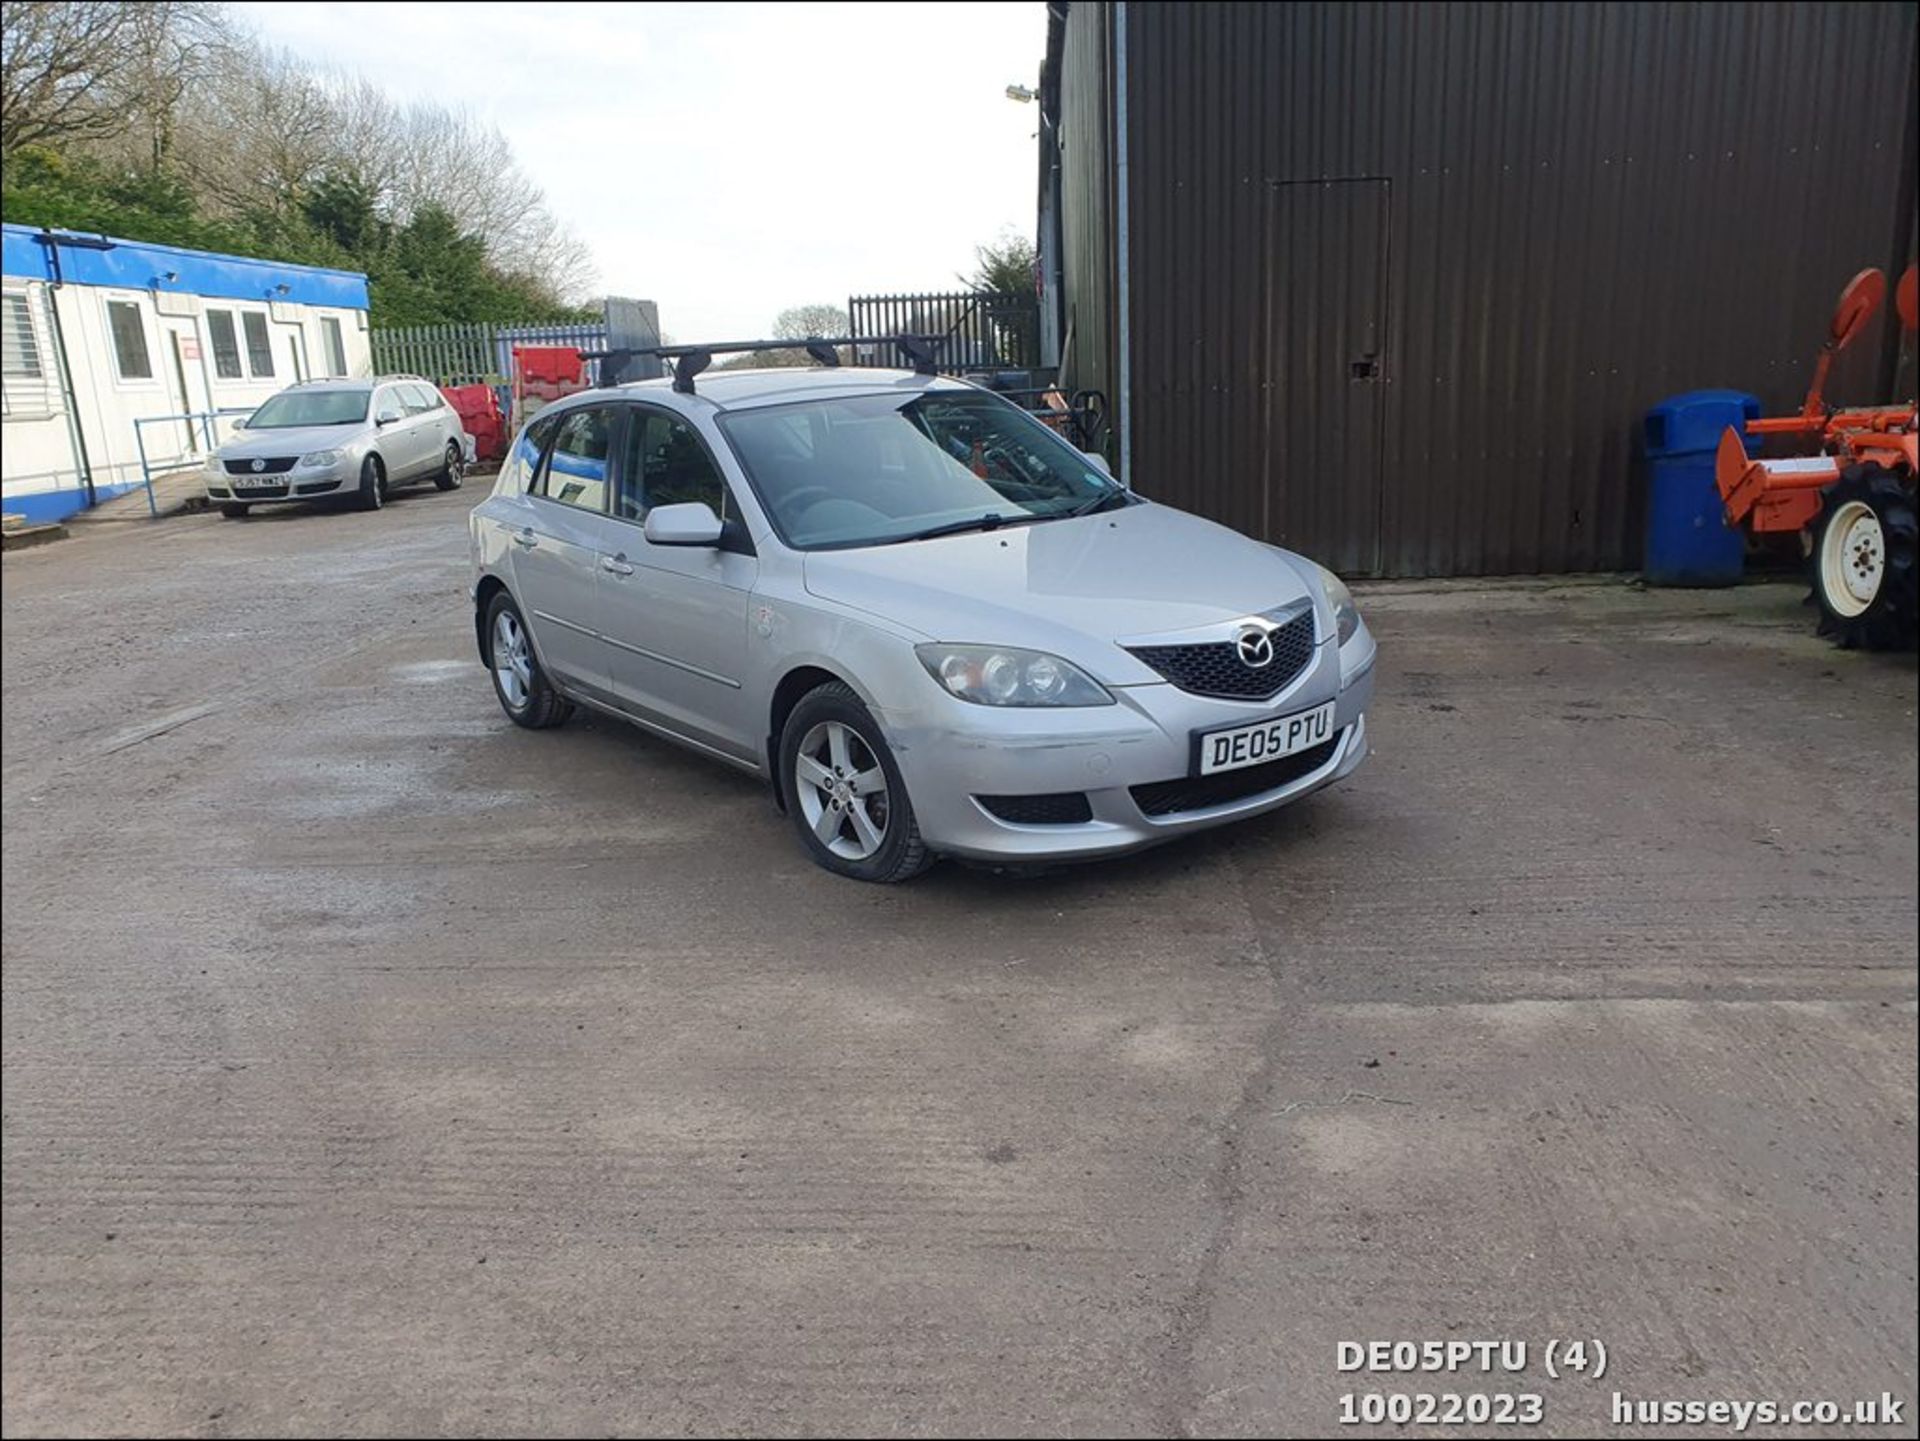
(842, 790)
(512, 665)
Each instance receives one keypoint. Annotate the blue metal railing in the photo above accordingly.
(209, 421)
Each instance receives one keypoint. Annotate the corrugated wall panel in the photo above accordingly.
(1087, 184)
(1589, 208)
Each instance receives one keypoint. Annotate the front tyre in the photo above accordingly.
(524, 691)
(843, 790)
(454, 470)
(1862, 562)
(373, 485)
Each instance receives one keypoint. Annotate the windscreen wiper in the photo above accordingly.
(1098, 502)
(992, 520)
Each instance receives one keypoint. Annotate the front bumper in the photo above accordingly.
(951, 755)
(299, 483)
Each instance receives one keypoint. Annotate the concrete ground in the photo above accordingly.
(374, 1067)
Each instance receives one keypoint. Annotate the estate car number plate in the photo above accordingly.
(1268, 740)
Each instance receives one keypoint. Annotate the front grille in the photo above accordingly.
(277, 490)
(1059, 808)
(314, 487)
(1198, 793)
(274, 466)
(1215, 668)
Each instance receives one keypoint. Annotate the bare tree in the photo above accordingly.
(802, 321)
(180, 47)
(87, 70)
(410, 156)
(798, 322)
(447, 158)
(168, 84)
(257, 135)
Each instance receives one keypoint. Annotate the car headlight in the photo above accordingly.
(319, 458)
(1003, 675)
(1346, 615)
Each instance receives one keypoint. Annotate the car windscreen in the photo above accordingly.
(294, 409)
(876, 469)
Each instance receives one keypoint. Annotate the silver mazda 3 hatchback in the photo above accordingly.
(934, 626)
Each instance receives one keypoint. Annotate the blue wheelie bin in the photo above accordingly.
(1688, 539)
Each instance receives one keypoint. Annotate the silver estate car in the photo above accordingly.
(322, 438)
(934, 626)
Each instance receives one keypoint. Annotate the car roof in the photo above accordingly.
(746, 389)
(353, 382)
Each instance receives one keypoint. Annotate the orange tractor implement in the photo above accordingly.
(1854, 501)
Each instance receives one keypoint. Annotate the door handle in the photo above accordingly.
(526, 537)
(616, 564)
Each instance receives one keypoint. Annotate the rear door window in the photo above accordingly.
(420, 398)
(574, 471)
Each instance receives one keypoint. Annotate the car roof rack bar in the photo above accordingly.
(690, 360)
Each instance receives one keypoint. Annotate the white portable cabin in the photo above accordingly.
(97, 332)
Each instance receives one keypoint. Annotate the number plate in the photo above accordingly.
(1263, 741)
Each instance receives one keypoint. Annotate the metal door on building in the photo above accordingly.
(1325, 297)
(182, 365)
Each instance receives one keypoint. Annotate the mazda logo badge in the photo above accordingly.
(259, 465)
(1255, 647)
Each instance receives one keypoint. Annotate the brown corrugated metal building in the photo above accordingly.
(1394, 283)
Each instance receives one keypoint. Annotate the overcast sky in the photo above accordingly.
(731, 160)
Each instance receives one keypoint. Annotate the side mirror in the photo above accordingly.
(1099, 462)
(386, 417)
(239, 422)
(691, 523)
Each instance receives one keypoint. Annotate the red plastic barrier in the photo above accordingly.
(548, 364)
(479, 410)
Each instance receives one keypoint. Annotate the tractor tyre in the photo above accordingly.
(1862, 564)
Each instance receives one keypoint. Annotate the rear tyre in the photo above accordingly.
(454, 470)
(234, 512)
(525, 693)
(1862, 563)
(844, 793)
(373, 485)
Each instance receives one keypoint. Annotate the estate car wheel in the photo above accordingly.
(526, 695)
(373, 484)
(234, 512)
(844, 792)
(454, 471)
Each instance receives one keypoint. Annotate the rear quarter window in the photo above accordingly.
(516, 476)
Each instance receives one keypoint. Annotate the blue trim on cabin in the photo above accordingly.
(44, 507)
(141, 265)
